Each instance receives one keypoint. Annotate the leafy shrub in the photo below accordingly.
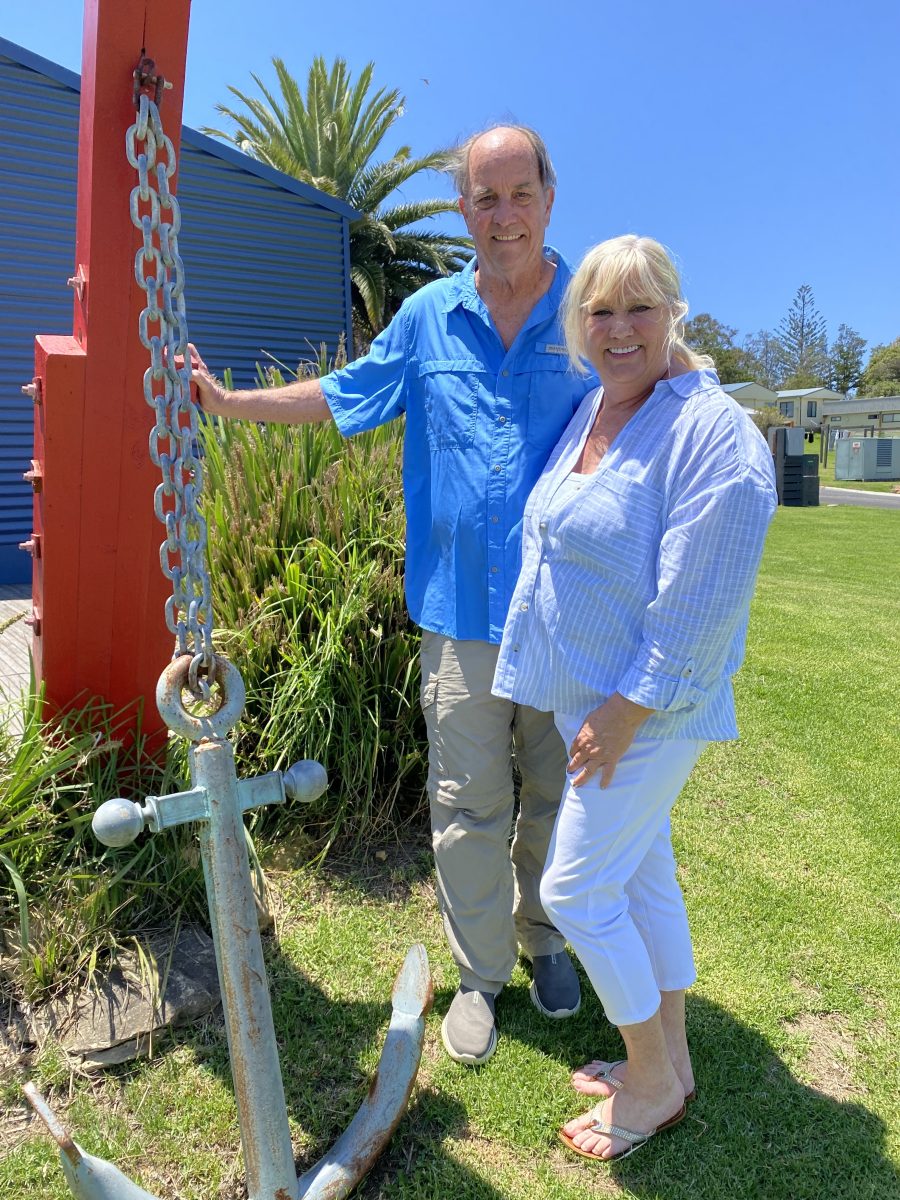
(306, 535)
(768, 418)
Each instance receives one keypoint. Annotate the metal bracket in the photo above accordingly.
(35, 390)
(32, 546)
(35, 476)
(78, 282)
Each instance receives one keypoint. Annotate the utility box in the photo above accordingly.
(867, 458)
(796, 473)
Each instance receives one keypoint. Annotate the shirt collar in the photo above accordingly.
(682, 385)
(693, 381)
(461, 290)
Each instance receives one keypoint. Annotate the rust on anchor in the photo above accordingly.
(50, 1119)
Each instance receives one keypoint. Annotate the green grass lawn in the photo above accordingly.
(788, 848)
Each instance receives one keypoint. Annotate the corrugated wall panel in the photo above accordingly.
(267, 273)
(262, 283)
(38, 167)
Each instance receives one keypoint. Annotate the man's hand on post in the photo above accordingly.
(297, 403)
(210, 391)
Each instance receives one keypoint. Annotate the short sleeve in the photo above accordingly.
(372, 390)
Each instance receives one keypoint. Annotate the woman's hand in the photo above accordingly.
(604, 737)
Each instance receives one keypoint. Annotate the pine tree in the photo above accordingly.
(804, 343)
(845, 359)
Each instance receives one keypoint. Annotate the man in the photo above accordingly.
(477, 364)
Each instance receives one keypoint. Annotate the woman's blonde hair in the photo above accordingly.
(617, 273)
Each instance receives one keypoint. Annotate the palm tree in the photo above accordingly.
(328, 140)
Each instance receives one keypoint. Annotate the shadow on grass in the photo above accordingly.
(328, 1051)
(328, 1054)
(755, 1129)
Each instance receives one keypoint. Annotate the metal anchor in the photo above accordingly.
(217, 801)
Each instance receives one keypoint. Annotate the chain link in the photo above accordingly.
(174, 444)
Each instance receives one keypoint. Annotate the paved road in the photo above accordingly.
(831, 495)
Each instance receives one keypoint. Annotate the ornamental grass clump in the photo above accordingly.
(64, 898)
(306, 535)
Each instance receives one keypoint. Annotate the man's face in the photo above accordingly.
(506, 208)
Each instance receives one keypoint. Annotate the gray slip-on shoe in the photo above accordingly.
(555, 990)
(468, 1030)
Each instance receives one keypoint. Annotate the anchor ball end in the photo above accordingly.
(305, 781)
(117, 822)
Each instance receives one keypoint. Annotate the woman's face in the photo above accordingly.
(626, 343)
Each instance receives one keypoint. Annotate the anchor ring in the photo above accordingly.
(173, 681)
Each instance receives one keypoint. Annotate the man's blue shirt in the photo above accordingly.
(481, 422)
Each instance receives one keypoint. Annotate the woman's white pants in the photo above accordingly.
(609, 884)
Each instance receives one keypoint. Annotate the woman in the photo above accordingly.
(642, 540)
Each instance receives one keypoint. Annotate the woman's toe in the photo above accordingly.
(587, 1079)
(579, 1124)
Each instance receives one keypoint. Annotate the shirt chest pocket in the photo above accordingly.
(551, 389)
(613, 526)
(449, 389)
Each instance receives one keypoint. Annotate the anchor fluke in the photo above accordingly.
(89, 1178)
(355, 1151)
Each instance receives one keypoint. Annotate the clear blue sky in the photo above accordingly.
(756, 138)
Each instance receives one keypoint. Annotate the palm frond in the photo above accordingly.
(414, 211)
(328, 134)
(374, 185)
(369, 282)
(368, 234)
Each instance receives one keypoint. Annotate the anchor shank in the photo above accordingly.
(255, 1068)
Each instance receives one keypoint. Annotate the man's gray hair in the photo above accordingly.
(458, 159)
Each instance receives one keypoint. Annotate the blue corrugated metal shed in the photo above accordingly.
(266, 260)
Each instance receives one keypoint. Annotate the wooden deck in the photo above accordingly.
(15, 644)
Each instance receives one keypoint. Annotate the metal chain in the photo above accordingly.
(174, 445)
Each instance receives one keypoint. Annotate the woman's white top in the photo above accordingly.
(637, 578)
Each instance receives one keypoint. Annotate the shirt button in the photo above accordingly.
(543, 526)
(687, 671)
(504, 373)
(497, 470)
(523, 608)
(516, 647)
(501, 420)
(494, 520)
(494, 570)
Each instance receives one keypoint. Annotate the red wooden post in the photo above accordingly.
(99, 594)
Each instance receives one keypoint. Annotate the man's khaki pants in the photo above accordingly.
(488, 902)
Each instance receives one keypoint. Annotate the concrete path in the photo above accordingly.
(15, 644)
